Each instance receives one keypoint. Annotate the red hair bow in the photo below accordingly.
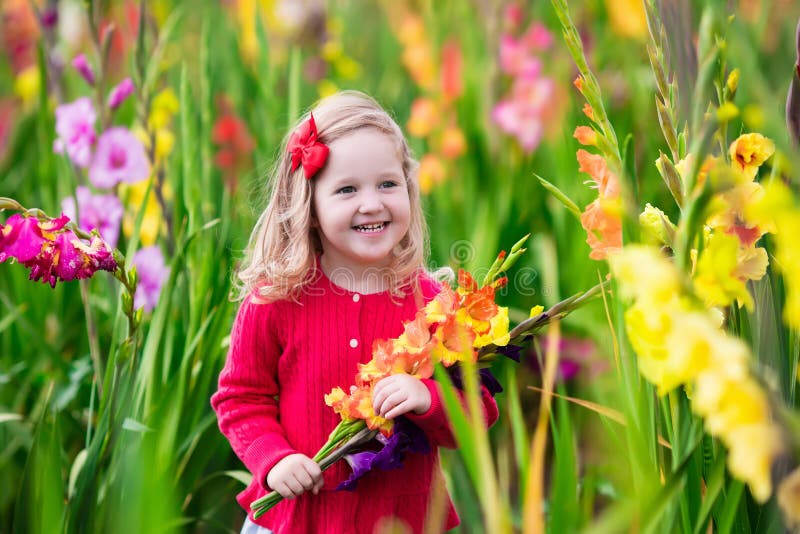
(305, 149)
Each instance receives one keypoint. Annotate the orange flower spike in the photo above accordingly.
(335, 399)
(500, 282)
(578, 83)
(480, 305)
(588, 111)
(585, 136)
(466, 281)
(444, 304)
(416, 334)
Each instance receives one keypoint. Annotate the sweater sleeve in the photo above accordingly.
(246, 399)
(435, 423)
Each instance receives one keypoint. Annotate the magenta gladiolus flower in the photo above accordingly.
(119, 157)
(51, 252)
(152, 273)
(103, 212)
(20, 238)
(75, 130)
(119, 93)
(84, 69)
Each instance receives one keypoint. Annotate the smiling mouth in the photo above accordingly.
(370, 228)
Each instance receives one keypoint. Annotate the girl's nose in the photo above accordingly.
(370, 203)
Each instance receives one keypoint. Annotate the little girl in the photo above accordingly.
(335, 261)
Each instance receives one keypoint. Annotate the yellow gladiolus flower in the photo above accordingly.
(749, 152)
(715, 280)
(657, 229)
(27, 85)
(498, 330)
(751, 452)
(164, 106)
(643, 273)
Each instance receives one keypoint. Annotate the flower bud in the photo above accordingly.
(84, 69)
(733, 82)
(656, 226)
(119, 93)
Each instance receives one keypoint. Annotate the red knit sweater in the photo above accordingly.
(284, 357)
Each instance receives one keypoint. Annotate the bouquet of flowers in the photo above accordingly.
(461, 324)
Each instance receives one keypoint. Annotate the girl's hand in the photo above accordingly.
(399, 394)
(294, 475)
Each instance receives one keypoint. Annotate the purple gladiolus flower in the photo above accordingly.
(103, 212)
(120, 157)
(487, 380)
(119, 93)
(84, 69)
(152, 274)
(75, 130)
(407, 437)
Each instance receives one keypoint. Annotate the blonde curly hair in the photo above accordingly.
(283, 245)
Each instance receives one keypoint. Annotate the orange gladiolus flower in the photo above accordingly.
(585, 135)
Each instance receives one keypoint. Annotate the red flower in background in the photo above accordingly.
(234, 141)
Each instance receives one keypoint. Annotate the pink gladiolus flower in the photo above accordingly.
(152, 274)
(21, 238)
(103, 212)
(84, 69)
(538, 37)
(120, 157)
(51, 252)
(119, 93)
(75, 130)
(522, 113)
(515, 58)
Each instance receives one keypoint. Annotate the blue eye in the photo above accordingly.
(346, 189)
(389, 183)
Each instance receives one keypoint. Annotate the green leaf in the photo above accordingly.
(560, 196)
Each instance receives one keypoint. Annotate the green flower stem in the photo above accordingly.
(352, 441)
(533, 324)
(91, 333)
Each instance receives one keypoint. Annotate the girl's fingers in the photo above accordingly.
(398, 410)
(304, 479)
(392, 401)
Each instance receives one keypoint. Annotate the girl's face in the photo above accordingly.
(361, 203)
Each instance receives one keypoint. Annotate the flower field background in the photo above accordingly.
(648, 147)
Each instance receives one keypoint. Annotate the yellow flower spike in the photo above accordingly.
(714, 279)
(643, 272)
(732, 83)
(752, 450)
(165, 142)
(657, 229)
(536, 310)
(727, 112)
(749, 151)
(347, 68)
(751, 263)
(331, 50)
(325, 87)
(627, 18)
(753, 116)
(164, 106)
(27, 85)
(133, 195)
(498, 330)
(770, 206)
